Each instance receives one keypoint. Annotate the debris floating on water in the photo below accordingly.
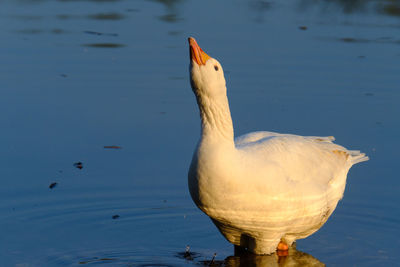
(187, 254)
(112, 147)
(213, 258)
(116, 216)
(52, 185)
(78, 165)
(303, 28)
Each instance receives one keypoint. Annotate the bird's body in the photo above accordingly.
(261, 188)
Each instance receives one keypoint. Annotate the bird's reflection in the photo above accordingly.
(292, 258)
(242, 258)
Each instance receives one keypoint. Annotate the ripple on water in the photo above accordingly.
(80, 227)
(243, 258)
(112, 257)
(142, 218)
(142, 258)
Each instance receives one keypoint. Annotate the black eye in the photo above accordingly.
(215, 67)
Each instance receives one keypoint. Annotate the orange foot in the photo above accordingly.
(282, 249)
(282, 246)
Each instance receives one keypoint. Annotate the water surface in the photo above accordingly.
(76, 76)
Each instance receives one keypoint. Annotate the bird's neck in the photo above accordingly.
(216, 121)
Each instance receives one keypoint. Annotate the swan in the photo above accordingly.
(262, 190)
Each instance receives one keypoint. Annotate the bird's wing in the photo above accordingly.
(298, 159)
(260, 135)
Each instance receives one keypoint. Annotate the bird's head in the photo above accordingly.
(206, 74)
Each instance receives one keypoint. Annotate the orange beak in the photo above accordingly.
(196, 53)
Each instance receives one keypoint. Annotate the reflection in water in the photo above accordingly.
(244, 259)
(172, 12)
(388, 7)
(294, 258)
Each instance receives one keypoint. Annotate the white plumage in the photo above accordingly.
(261, 188)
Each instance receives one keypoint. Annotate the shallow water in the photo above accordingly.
(76, 76)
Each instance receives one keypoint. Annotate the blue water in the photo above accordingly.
(76, 76)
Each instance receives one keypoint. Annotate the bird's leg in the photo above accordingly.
(239, 250)
(282, 249)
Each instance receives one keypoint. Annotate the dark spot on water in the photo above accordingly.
(353, 40)
(260, 5)
(303, 28)
(67, 16)
(95, 259)
(105, 45)
(188, 255)
(101, 33)
(170, 18)
(58, 31)
(163, 112)
(94, 33)
(116, 216)
(112, 147)
(362, 57)
(106, 16)
(64, 75)
(382, 40)
(78, 165)
(52, 185)
(369, 94)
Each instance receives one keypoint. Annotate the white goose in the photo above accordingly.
(263, 190)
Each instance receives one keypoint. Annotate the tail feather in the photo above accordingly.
(357, 156)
